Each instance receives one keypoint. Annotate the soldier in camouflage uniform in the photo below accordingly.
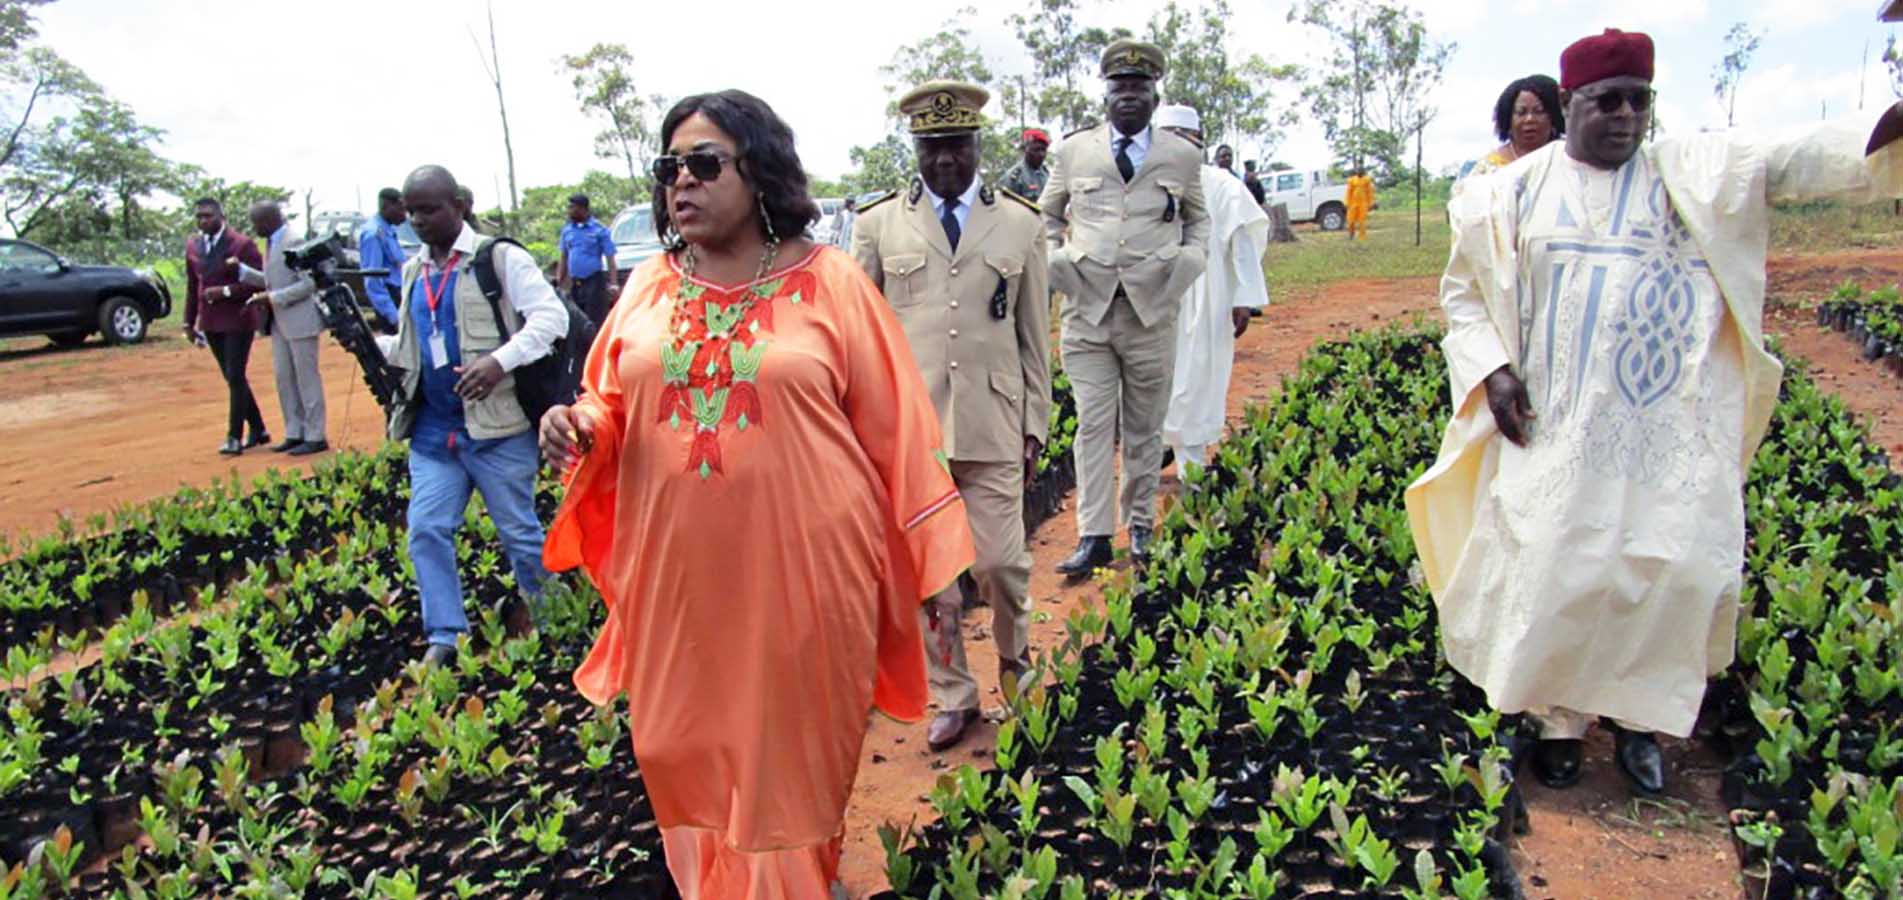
(1026, 179)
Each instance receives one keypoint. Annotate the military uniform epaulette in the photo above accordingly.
(888, 195)
(1029, 204)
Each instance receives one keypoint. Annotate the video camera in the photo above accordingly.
(343, 316)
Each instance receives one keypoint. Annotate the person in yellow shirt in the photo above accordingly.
(1360, 200)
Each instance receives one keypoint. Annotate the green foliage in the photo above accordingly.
(604, 84)
(1064, 54)
(1233, 93)
(1370, 89)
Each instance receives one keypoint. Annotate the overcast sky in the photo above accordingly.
(346, 96)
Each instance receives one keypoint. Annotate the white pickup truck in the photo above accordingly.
(1310, 197)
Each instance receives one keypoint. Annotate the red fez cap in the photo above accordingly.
(1036, 134)
(1608, 55)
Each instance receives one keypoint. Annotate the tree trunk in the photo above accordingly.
(1280, 231)
(1419, 151)
(508, 146)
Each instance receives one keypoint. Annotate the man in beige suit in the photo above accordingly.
(1132, 199)
(964, 266)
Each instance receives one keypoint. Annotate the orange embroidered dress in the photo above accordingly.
(765, 506)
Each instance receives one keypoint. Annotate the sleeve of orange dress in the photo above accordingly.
(929, 540)
(583, 529)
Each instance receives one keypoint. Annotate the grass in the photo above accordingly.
(1824, 226)
(1320, 257)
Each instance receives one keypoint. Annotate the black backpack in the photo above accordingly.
(555, 379)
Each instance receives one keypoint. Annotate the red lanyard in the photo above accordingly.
(433, 289)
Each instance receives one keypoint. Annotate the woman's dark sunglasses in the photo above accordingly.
(1611, 99)
(704, 165)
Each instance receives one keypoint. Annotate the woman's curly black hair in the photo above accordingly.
(1539, 86)
(766, 160)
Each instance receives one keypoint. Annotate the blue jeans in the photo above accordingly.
(440, 483)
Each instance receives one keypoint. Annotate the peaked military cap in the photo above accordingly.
(1129, 57)
(944, 107)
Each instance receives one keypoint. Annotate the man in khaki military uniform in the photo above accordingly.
(964, 267)
(1132, 198)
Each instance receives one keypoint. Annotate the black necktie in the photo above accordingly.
(950, 220)
(1125, 167)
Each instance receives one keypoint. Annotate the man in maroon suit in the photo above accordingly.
(218, 314)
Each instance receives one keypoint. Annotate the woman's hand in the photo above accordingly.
(567, 435)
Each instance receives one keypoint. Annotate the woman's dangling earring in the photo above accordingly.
(765, 219)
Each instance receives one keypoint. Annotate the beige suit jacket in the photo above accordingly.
(1148, 235)
(990, 377)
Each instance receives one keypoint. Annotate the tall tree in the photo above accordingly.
(1741, 44)
(492, 64)
(1065, 90)
(1234, 94)
(44, 78)
(604, 83)
(1369, 91)
(16, 24)
(950, 53)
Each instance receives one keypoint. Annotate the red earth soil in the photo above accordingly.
(84, 431)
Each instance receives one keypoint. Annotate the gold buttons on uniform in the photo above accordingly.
(954, 364)
(954, 270)
(954, 304)
(954, 332)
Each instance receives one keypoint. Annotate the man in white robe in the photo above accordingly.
(1583, 528)
(1217, 307)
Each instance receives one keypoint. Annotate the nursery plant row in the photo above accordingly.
(266, 731)
(1264, 712)
(1873, 321)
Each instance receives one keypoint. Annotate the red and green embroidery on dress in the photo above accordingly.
(710, 363)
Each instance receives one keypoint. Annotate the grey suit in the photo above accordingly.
(1123, 254)
(296, 327)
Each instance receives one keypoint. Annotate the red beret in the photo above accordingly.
(1036, 134)
(1608, 55)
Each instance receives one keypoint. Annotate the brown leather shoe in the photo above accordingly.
(948, 728)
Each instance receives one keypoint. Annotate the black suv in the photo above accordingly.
(42, 293)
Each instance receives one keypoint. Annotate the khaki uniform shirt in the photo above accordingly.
(978, 319)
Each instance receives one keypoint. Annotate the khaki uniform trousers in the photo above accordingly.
(1120, 372)
(994, 500)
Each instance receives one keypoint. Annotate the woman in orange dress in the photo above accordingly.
(759, 493)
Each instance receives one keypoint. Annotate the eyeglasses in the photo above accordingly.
(1611, 99)
(704, 165)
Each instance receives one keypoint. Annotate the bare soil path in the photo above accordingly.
(83, 431)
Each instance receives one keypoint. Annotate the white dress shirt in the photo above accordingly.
(1139, 145)
(965, 200)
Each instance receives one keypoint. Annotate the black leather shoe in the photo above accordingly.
(309, 447)
(1169, 456)
(287, 445)
(1641, 761)
(1556, 762)
(261, 439)
(1140, 544)
(439, 655)
(1093, 552)
(231, 447)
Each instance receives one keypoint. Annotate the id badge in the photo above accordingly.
(438, 350)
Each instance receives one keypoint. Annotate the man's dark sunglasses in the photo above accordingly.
(1611, 99)
(704, 165)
